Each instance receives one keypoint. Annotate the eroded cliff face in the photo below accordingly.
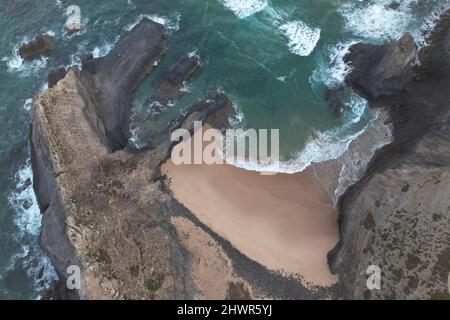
(398, 216)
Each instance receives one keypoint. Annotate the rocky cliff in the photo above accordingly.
(397, 217)
(106, 208)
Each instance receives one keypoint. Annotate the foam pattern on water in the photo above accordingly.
(244, 8)
(28, 221)
(302, 38)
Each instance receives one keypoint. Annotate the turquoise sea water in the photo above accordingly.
(272, 58)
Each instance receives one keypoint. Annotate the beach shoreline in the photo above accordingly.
(285, 222)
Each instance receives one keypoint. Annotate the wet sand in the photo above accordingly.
(285, 222)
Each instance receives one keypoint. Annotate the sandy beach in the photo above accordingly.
(285, 222)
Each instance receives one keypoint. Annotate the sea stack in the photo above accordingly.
(43, 43)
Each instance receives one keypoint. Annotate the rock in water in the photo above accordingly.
(73, 23)
(40, 45)
(170, 88)
(380, 71)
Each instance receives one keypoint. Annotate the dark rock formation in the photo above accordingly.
(40, 45)
(170, 88)
(112, 79)
(215, 110)
(397, 217)
(55, 75)
(382, 71)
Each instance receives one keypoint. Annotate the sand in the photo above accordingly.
(212, 270)
(284, 222)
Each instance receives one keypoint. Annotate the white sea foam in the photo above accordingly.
(24, 68)
(333, 71)
(376, 21)
(24, 202)
(97, 51)
(171, 23)
(28, 221)
(320, 146)
(302, 38)
(103, 50)
(244, 8)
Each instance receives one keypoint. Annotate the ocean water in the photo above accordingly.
(274, 59)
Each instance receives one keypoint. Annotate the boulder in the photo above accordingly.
(170, 88)
(40, 45)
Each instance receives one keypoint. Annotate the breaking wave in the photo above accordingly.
(244, 8)
(28, 221)
(302, 38)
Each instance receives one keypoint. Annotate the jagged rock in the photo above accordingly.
(380, 71)
(170, 88)
(40, 45)
(112, 79)
(55, 75)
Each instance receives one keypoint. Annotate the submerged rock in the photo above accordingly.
(43, 43)
(335, 97)
(171, 88)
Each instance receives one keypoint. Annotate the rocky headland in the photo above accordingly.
(107, 208)
(397, 217)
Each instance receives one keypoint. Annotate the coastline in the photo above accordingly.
(128, 187)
